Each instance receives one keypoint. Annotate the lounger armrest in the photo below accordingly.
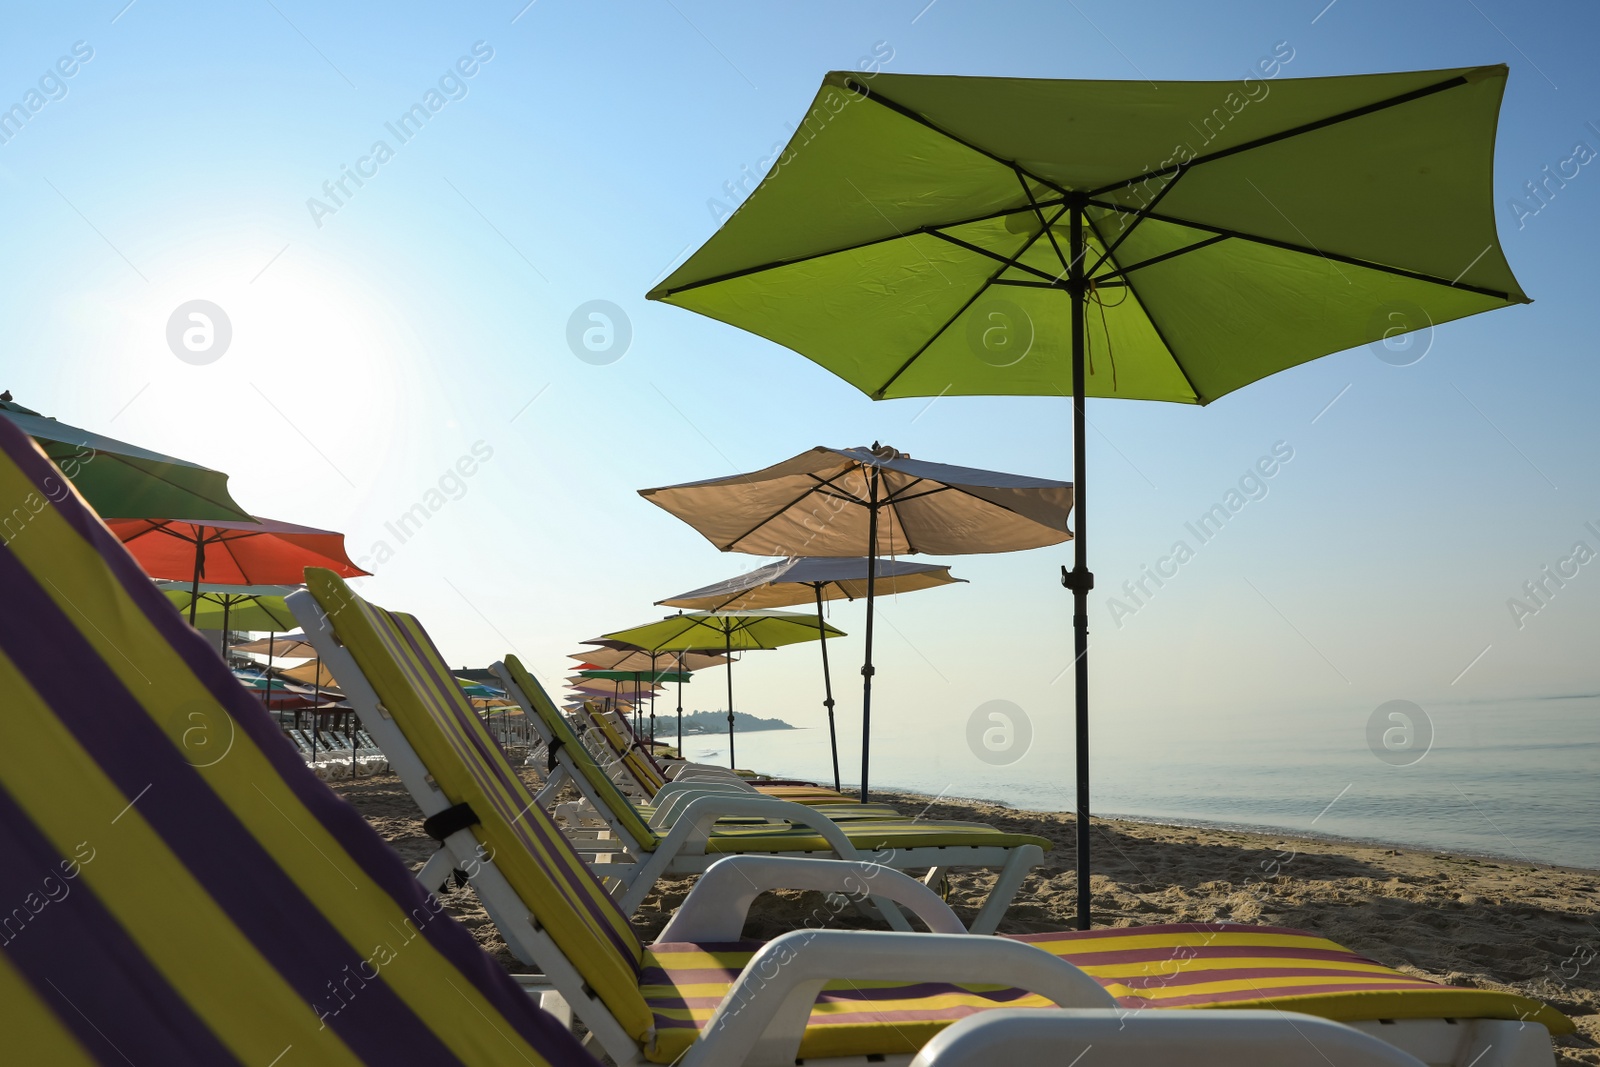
(1155, 1039)
(673, 797)
(677, 770)
(717, 906)
(762, 1019)
(694, 825)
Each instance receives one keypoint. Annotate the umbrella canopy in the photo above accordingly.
(841, 501)
(123, 481)
(235, 607)
(917, 243)
(232, 553)
(943, 236)
(312, 673)
(797, 581)
(615, 659)
(739, 631)
(276, 693)
(477, 690)
(814, 578)
(293, 645)
(643, 677)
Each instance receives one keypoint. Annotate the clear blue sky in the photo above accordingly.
(429, 313)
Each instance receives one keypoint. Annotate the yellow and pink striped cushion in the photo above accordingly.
(1191, 965)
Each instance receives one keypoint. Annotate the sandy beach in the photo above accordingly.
(1466, 920)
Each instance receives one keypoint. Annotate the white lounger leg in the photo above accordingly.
(1022, 860)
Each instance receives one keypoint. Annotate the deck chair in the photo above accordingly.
(630, 764)
(398, 662)
(181, 889)
(568, 760)
(699, 991)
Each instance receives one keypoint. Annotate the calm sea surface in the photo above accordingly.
(1518, 780)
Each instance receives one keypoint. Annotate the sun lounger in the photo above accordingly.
(178, 888)
(630, 767)
(573, 762)
(883, 994)
(397, 662)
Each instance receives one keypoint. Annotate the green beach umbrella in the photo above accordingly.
(123, 481)
(932, 236)
(734, 631)
(639, 676)
(234, 607)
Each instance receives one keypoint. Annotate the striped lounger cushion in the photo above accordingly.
(1184, 965)
(179, 888)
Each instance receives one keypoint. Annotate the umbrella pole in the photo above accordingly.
(680, 705)
(827, 686)
(199, 559)
(727, 635)
(316, 702)
(866, 667)
(227, 602)
(1080, 581)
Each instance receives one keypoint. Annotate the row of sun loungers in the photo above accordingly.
(198, 897)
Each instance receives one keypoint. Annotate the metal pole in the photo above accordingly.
(866, 667)
(680, 705)
(316, 702)
(227, 602)
(727, 634)
(1080, 581)
(827, 685)
(199, 561)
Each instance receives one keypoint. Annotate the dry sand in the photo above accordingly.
(1470, 921)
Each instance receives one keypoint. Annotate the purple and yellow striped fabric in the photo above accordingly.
(178, 888)
(415, 686)
(1211, 965)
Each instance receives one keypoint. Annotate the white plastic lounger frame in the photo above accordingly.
(683, 849)
(1156, 1039)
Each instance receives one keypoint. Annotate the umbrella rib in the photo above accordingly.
(742, 272)
(905, 112)
(1043, 224)
(1336, 257)
(1282, 135)
(996, 256)
(1150, 317)
(1144, 213)
(820, 482)
(1123, 272)
(877, 394)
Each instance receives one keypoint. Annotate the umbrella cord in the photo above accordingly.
(1094, 295)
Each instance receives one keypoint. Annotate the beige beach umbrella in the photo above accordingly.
(874, 502)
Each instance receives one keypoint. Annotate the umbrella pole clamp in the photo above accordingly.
(1077, 580)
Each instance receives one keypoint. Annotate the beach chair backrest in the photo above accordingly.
(416, 688)
(605, 790)
(181, 888)
(630, 755)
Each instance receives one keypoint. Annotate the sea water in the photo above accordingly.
(1519, 780)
